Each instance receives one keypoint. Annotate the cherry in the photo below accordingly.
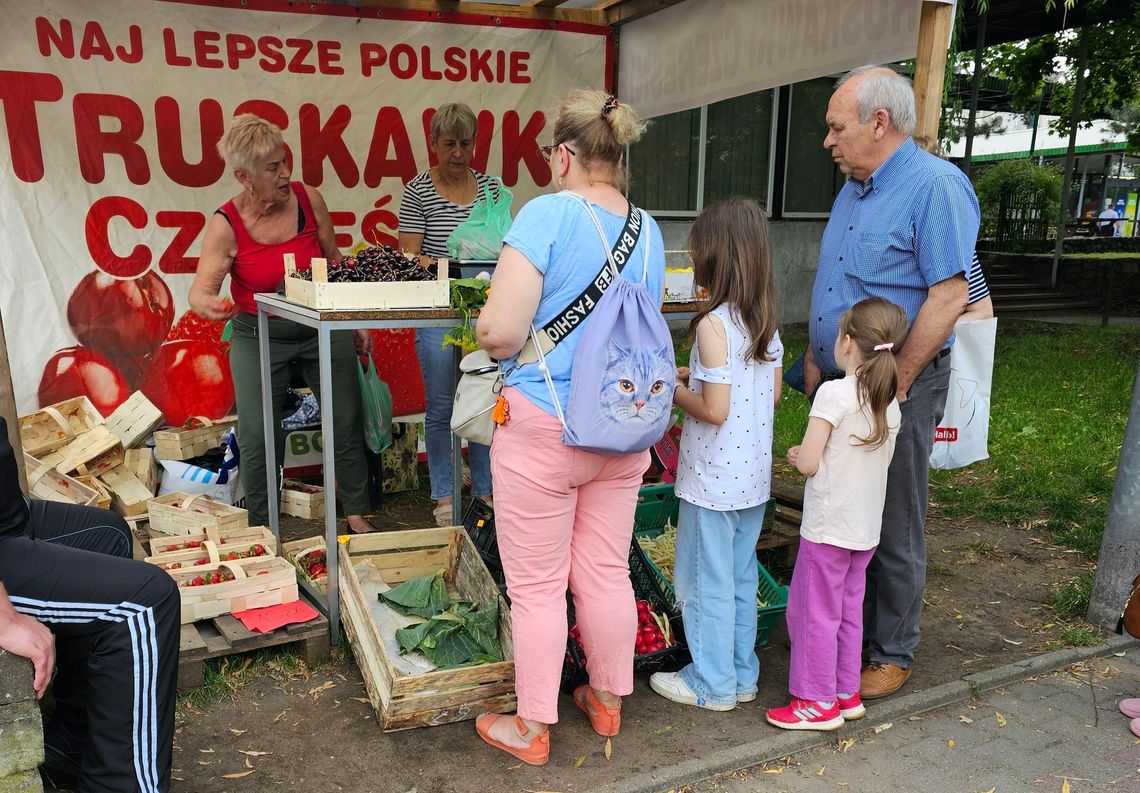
(122, 318)
(189, 378)
(80, 371)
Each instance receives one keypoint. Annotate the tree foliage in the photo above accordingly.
(1017, 178)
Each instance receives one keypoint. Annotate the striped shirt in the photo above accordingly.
(424, 211)
(979, 289)
(911, 225)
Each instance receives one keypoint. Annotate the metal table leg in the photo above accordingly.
(328, 442)
(267, 416)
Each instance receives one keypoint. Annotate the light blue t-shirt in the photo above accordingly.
(556, 234)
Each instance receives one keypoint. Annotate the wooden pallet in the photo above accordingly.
(785, 529)
(225, 635)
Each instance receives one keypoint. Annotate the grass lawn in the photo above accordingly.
(1061, 398)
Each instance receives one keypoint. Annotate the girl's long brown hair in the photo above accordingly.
(732, 259)
(870, 323)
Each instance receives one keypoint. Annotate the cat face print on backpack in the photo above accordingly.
(637, 386)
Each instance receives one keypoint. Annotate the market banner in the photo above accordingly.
(108, 168)
(699, 52)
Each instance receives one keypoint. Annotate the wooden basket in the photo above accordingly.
(321, 294)
(441, 696)
(104, 495)
(92, 453)
(264, 581)
(182, 443)
(182, 513)
(129, 496)
(53, 426)
(134, 420)
(297, 550)
(46, 482)
(142, 464)
(213, 546)
(301, 500)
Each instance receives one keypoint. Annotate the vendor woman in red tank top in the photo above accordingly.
(246, 239)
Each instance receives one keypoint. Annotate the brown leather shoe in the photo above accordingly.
(881, 680)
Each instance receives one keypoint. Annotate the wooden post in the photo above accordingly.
(930, 69)
(8, 408)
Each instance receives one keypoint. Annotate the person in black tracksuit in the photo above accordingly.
(71, 593)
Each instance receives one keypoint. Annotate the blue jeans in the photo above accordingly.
(716, 581)
(440, 376)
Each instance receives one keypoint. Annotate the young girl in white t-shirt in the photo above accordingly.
(728, 393)
(845, 453)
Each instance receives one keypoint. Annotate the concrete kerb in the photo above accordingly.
(781, 744)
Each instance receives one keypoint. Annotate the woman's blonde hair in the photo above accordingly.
(732, 259)
(876, 322)
(599, 127)
(249, 139)
(453, 117)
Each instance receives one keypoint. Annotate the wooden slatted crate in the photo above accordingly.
(134, 420)
(321, 294)
(182, 443)
(92, 453)
(182, 513)
(129, 496)
(298, 551)
(264, 581)
(104, 495)
(442, 696)
(51, 427)
(301, 500)
(46, 482)
(142, 464)
(175, 553)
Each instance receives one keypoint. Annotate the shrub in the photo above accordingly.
(1022, 179)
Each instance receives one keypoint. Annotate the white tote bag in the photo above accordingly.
(963, 435)
(475, 396)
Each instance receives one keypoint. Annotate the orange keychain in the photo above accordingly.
(502, 411)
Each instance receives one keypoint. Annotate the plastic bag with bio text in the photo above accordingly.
(481, 235)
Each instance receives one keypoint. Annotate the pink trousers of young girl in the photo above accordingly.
(825, 620)
(564, 517)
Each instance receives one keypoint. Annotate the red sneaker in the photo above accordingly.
(851, 708)
(805, 714)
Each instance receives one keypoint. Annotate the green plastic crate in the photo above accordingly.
(657, 504)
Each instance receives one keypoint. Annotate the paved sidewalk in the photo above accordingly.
(1061, 722)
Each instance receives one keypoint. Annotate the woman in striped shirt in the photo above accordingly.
(434, 203)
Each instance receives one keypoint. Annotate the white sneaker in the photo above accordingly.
(673, 688)
(742, 698)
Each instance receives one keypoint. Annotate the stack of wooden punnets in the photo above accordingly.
(182, 513)
(194, 440)
(74, 456)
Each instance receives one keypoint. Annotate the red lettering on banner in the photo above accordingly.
(481, 65)
(94, 43)
(380, 218)
(97, 228)
(408, 69)
(170, 49)
(328, 56)
(19, 92)
(302, 49)
(168, 131)
(429, 73)
(239, 47)
(273, 60)
(372, 56)
(523, 145)
(189, 224)
(456, 70)
(389, 131)
(342, 220)
(207, 48)
(519, 66)
(319, 143)
(945, 434)
(63, 39)
(94, 144)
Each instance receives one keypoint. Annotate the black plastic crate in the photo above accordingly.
(479, 520)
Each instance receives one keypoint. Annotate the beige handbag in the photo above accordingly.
(475, 395)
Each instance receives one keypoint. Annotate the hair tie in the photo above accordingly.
(888, 346)
(610, 104)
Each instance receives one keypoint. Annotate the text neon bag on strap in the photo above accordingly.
(623, 372)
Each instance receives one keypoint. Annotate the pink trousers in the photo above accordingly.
(564, 517)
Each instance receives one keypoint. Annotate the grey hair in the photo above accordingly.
(453, 117)
(248, 140)
(886, 89)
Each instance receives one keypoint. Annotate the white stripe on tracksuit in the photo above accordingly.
(144, 650)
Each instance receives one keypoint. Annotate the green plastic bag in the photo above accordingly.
(481, 235)
(377, 401)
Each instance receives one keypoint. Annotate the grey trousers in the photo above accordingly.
(896, 577)
(289, 343)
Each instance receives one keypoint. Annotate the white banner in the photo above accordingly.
(108, 172)
(702, 51)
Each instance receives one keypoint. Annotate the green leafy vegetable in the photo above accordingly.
(457, 633)
(468, 295)
(424, 596)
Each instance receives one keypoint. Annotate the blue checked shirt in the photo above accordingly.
(911, 225)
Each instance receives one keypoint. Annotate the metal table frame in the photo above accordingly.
(325, 322)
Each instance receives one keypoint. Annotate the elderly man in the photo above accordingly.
(903, 227)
